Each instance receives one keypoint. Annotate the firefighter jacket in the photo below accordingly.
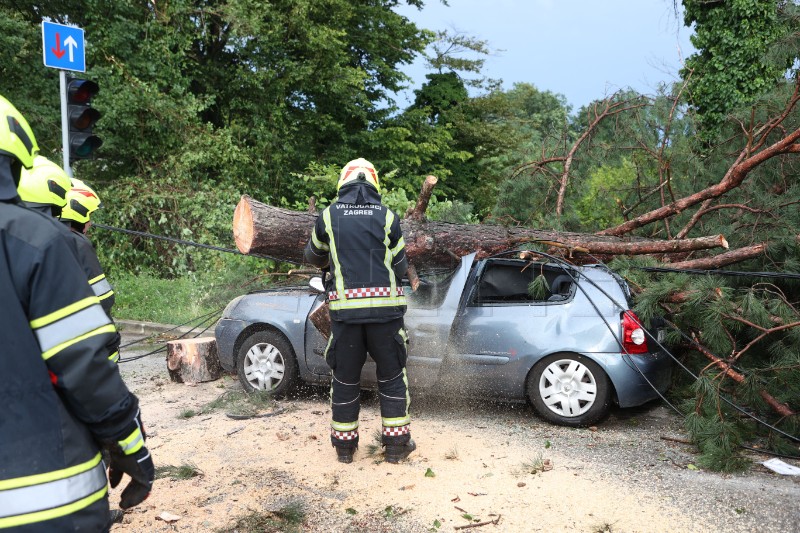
(87, 257)
(60, 396)
(360, 241)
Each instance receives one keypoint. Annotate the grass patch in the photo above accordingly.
(152, 299)
(183, 299)
(533, 466)
(288, 518)
(184, 471)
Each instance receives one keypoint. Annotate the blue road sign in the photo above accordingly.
(63, 47)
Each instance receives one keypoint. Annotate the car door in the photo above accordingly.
(503, 329)
(429, 317)
(432, 308)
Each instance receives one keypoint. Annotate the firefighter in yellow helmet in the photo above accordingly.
(81, 202)
(62, 399)
(360, 241)
(44, 186)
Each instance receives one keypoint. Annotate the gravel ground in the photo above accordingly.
(623, 475)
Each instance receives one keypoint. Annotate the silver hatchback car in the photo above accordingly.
(571, 350)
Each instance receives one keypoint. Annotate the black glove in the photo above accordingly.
(140, 467)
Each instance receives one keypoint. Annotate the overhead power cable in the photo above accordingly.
(190, 243)
(736, 273)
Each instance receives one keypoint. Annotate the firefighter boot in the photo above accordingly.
(344, 454)
(346, 444)
(397, 447)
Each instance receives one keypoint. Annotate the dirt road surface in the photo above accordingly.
(478, 462)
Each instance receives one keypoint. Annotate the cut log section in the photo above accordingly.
(193, 360)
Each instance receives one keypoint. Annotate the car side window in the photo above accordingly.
(509, 281)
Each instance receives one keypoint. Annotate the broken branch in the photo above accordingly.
(479, 524)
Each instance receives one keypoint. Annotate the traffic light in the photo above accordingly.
(82, 116)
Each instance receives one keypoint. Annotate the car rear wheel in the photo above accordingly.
(569, 390)
(266, 362)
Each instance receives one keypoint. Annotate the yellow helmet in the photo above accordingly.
(46, 183)
(82, 201)
(16, 137)
(358, 170)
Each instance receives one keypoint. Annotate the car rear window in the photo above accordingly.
(509, 281)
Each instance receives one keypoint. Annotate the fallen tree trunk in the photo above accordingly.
(266, 230)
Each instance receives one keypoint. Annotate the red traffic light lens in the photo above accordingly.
(82, 91)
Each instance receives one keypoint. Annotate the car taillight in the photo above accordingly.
(634, 339)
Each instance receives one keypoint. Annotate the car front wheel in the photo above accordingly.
(569, 390)
(266, 362)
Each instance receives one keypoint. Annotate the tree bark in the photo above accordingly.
(266, 230)
(728, 258)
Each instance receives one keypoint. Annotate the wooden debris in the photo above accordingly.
(479, 524)
(193, 361)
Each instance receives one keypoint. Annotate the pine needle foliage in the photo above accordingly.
(737, 321)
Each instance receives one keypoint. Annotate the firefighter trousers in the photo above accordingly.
(346, 355)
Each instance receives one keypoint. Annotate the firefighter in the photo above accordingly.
(81, 202)
(44, 187)
(359, 240)
(61, 399)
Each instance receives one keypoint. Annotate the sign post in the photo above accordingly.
(64, 48)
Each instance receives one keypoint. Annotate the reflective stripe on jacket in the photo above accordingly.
(87, 257)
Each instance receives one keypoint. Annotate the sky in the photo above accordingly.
(582, 49)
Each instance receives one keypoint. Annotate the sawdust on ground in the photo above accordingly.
(476, 462)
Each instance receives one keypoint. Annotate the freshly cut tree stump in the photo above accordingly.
(193, 360)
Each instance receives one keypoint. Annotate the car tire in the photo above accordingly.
(569, 390)
(266, 362)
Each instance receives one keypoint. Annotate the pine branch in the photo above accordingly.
(780, 408)
(751, 156)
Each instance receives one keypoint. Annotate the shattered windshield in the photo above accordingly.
(433, 286)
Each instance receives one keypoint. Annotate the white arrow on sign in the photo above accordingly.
(70, 43)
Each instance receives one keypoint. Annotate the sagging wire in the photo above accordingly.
(189, 243)
(145, 339)
(734, 273)
(561, 263)
(208, 321)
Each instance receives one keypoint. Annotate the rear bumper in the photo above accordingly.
(627, 373)
(226, 333)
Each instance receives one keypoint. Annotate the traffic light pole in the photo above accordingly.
(62, 78)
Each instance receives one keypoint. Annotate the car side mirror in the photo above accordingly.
(316, 284)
